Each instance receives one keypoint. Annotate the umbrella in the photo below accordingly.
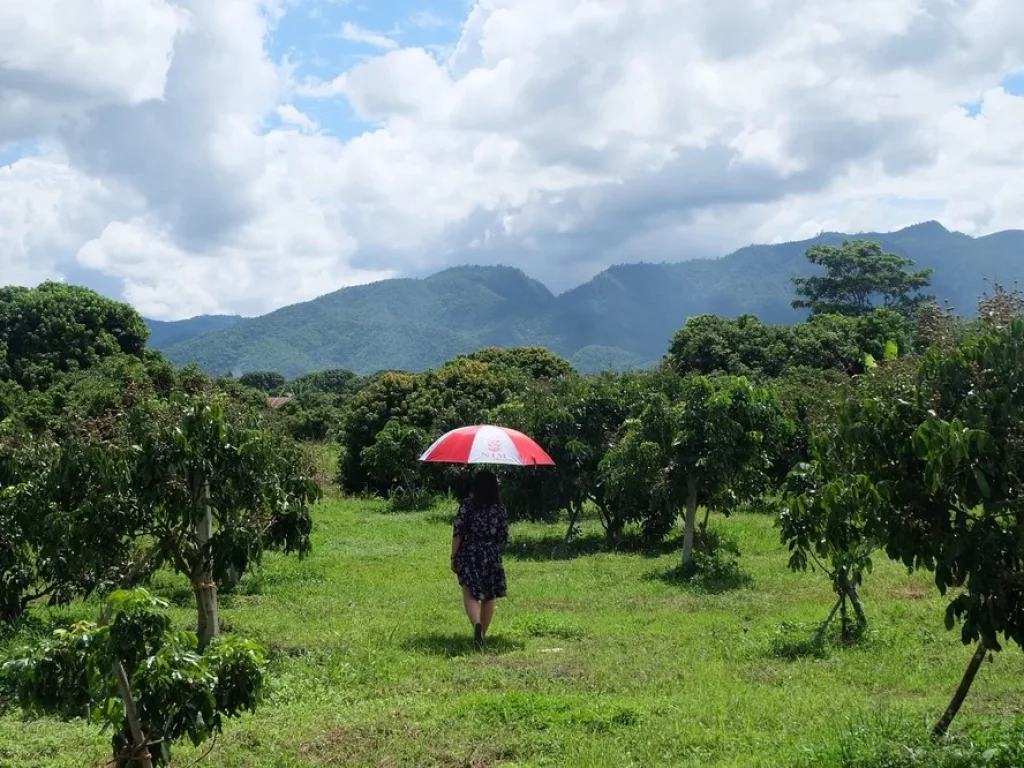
(486, 444)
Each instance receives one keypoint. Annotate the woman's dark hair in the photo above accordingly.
(485, 488)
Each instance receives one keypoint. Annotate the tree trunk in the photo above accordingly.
(961, 692)
(819, 638)
(140, 750)
(574, 513)
(202, 577)
(848, 589)
(691, 521)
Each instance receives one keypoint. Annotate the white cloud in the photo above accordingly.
(57, 59)
(356, 34)
(557, 135)
(290, 115)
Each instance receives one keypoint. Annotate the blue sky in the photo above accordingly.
(321, 40)
(1013, 85)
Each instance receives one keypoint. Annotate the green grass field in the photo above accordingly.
(596, 659)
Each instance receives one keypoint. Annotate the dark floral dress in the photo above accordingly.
(478, 563)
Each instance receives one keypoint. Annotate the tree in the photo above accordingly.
(741, 347)
(215, 490)
(55, 328)
(857, 275)
(268, 382)
(387, 397)
(392, 462)
(747, 347)
(332, 381)
(702, 445)
(935, 464)
(67, 518)
(311, 416)
(133, 674)
(535, 363)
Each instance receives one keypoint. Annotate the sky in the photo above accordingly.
(196, 157)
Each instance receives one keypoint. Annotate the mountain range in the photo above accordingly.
(622, 318)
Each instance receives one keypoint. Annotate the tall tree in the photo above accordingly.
(55, 328)
(214, 490)
(859, 276)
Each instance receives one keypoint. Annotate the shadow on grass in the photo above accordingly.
(554, 547)
(709, 578)
(453, 645)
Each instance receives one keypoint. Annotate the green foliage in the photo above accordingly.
(704, 444)
(333, 381)
(857, 275)
(926, 467)
(748, 347)
(311, 416)
(269, 382)
(464, 392)
(66, 518)
(200, 452)
(576, 420)
(55, 328)
(177, 691)
(387, 397)
(536, 363)
(392, 462)
(741, 347)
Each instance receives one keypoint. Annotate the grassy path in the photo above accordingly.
(597, 660)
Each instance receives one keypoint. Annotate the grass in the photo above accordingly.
(597, 659)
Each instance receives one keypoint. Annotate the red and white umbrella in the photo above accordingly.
(485, 444)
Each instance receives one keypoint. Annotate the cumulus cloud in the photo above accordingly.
(557, 135)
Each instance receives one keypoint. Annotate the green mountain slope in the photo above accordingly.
(624, 317)
(164, 333)
(400, 324)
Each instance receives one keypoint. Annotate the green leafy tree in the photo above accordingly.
(747, 347)
(133, 674)
(741, 347)
(935, 464)
(858, 275)
(269, 382)
(463, 392)
(535, 363)
(332, 381)
(67, 517)
(215, 490)
(705, 444)
(392, 462)
(311, 416)
(55, 328)
(576, 420)
(390, 396)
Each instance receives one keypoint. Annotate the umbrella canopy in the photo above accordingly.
(486, 444)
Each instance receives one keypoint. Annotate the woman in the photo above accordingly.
(479, 536)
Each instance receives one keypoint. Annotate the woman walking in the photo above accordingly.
(478, 538)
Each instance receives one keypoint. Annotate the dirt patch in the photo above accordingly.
(354, 745)
(368, 745)
(911, 593)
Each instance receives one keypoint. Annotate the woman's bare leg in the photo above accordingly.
(472, 606)
(486, 613)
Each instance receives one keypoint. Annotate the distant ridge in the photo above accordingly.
(622, 318)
